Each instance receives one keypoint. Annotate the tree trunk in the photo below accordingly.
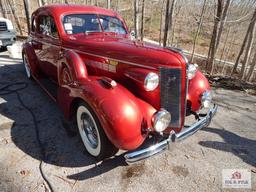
(15, 17)
(26, 6)
(171, 20)
(247, 52)
(161, 23)
(228, 49)
(222, 23)
(212, 48)
(198, 31)
(142, 20)
(166, 28)
(2, 8)
(66, 1)
(136, 18)
(251, 70)
(244, 43)
(109, 4)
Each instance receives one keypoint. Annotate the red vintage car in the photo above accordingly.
(119, 90)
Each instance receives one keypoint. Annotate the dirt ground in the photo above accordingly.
(195, 164)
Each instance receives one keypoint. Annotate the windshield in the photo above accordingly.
(88, 23)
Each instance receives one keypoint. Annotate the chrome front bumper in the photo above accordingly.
(163, 145)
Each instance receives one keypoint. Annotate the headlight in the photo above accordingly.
(191, 72)
(161, 120)
(206, 99)
(151, 81)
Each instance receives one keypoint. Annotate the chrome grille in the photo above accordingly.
(3, 26)
(170, 89)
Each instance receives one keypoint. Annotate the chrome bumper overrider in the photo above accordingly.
(163, 145)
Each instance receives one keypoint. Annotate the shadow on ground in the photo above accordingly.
(241, 147)
(62, 147)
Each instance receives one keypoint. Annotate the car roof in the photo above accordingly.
(63, 9)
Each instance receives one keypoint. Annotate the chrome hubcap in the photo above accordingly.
(89, 129)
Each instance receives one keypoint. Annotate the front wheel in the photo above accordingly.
(92, 134)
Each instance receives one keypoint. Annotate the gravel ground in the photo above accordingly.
(195, 164)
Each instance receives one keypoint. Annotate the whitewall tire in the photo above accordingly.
(92, 134)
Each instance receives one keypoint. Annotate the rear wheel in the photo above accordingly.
(27, 66)
(92, 134)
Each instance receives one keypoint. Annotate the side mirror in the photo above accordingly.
(133, 35)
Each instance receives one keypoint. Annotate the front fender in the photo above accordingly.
(196, 87)
(122, 115)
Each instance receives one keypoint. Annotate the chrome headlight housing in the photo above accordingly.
(161, 120)
(206, 99)
(191, 71)
(151, 81)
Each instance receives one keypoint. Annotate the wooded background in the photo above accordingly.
(217, 34)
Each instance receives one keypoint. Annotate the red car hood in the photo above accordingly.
(124, 49)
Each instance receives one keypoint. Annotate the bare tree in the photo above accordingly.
(136, 17)
(2, 9)
(161, 22)
(247, 52)
(142, 20)
(222, 23)
(15, 16)
(26, 6)
(223, 50)
(252, 67)
(212, 48)
(198, 31)
(166, 28)
(253, 20)
(171, 19)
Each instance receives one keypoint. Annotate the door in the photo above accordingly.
(49, 41)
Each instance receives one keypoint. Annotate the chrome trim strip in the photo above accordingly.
(163, 145)
(170, 93)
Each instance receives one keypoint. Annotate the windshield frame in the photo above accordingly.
(100, 24)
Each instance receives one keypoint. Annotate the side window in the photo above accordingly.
(43, 27)
(47, 26)
(54, 30)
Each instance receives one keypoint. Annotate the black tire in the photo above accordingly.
(89, 128)
(27, 66)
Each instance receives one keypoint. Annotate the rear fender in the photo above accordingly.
(75, 65)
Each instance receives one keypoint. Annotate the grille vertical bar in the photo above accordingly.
(3, 26)
(170, 90)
